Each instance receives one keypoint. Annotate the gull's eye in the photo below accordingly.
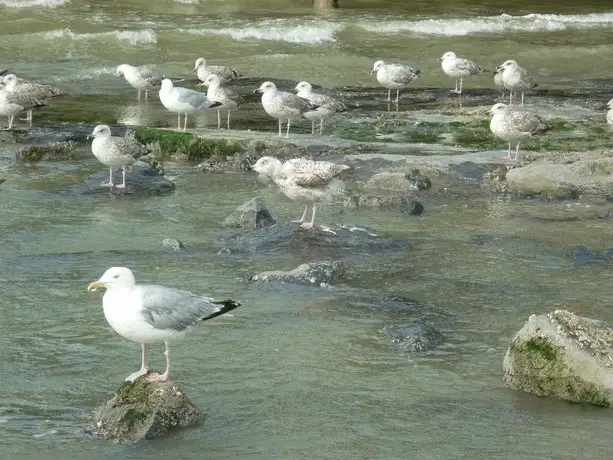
(116, 276)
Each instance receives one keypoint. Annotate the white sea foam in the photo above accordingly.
(93, 73)
(133, 37)
(491, 24)
(33, 3)
(315, 32)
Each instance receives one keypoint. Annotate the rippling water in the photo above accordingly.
(296, 372)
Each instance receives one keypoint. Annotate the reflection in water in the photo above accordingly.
(141, 114)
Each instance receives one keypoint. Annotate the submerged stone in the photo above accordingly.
(58, 151)
(174, 244)
(562, 355)
(145, 410)
(414, 335)
(314, 273)
(250, 215)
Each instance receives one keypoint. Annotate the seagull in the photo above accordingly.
(10, 106)
(216, 92)
(226, 74)
(515, 78)
(28, 94)
(183, 100)
(459, 68)
(115, 152)
(141, 78)
(609, 116)
(306, 181)
(499, 83)
(148, 313)
(394, 76)
(281, 105)
(326, 105)
(514, 125)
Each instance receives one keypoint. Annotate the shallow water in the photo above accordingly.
(296, 372)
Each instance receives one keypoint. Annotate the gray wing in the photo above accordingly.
(526, 122)
(470, 66)
(294, 102)
(525, 78)
(194, 98)
(169, 308)
(150, 76)
(401, 74)
(37, 91)
(24, 99)
(323, 100)
(308, 173)
(224, 72)
(128, 147)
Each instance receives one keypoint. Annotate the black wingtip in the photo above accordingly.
(226, 306)
(2, 72)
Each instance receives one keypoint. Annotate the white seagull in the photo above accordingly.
(28, 94)
(203, 70)
(141, 78)
(459, 68)
(217, 92)
(515, 78)
(394, 76)
(183, 100)
(326, 106)
(609, 115)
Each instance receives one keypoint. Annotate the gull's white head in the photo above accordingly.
(212, 80)
(377, 66)
(114, 277)
(304, 87)
(101, 131)
(610, 104)
(123, 69)
(266, 87)
(499, 108)
(449, 55)
(166, 85)
(10, 78)
(267, 166)
(199, 62)
(509, 64)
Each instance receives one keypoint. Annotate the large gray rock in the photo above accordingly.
(315, 273)
(562, 355)
(144, 180)
(145, 410)
(250, 215)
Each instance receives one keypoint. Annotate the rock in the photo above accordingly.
(250, 215)
(418, 181)
(317, 273)
(414, 208)
(562, 355)
(173, 244)
(144, 180)
(58, 151)
(369, 200)
(496, 179)
(398, 182)
(145, 410)
(413, 336)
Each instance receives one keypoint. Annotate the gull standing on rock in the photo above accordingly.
(148, 313)
(28, 94)
(281, 105)
(216, 92)
(115, 152)
(183, 100)
(226, 74)
(609, 116)
(394, 76)
(326, 105)
(459, 68)
(141, 78)
(305, 181)
(514, 125)
(515, 78)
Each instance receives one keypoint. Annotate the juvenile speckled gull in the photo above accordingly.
(394, 76)
(115, 152)
(216, 92)
(514, 125)
(609, 115)
(282, 105)
(305, 181)
(326, 105)
(515, 78)
(184, 100)
(10, 109)
(459, 68)
(149, 313)
(226, 74)
(141, 78)
(28, 94)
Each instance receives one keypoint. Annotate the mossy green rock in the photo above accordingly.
(562, 355)
(145, 410)
(58, 151)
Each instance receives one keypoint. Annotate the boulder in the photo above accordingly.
(414, 335)
(315, 273)
(562, 355)
(398, 182)
(145, 410)
(57, 151)
(250, 215)
(144, 180)
(173, 244)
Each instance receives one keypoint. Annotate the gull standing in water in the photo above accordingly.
(305, 181)
(141, 78)
(226, 74)
(326, 105)
(184, 100)
(28, 94)
(394, 76)
(115, 152)
(459, 68)
(281, 105)
(216, 92)
(148, 313)
(515, 78)
(515, 125)
(11, 105)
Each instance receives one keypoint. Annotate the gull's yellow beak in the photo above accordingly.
(94, 285)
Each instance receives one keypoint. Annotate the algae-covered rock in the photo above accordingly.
(57, 151)
(315, 273)
(398, 182)
(250, 215)
(145, 410)
(562, 355)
